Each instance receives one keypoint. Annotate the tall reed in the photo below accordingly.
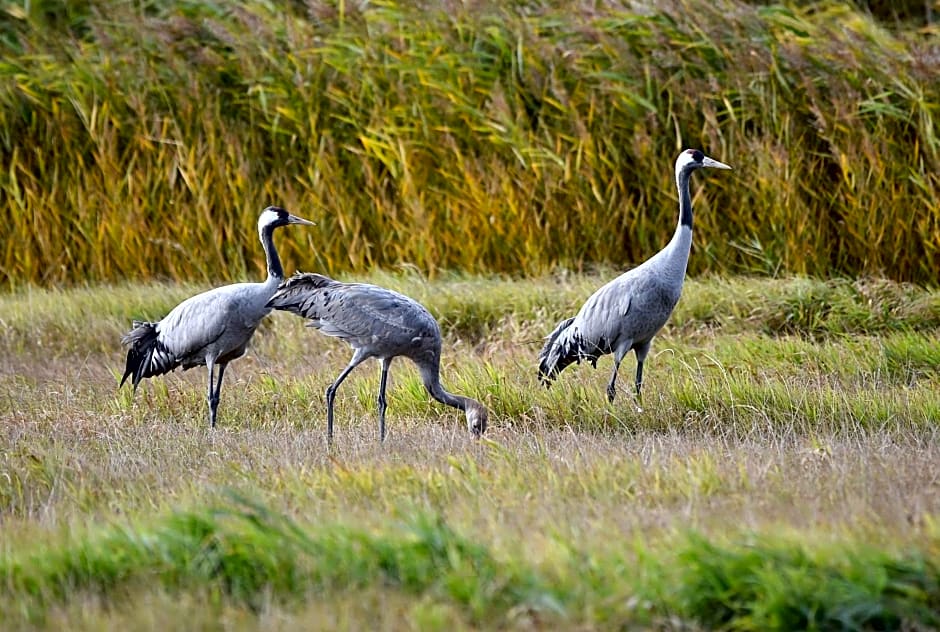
(140, 141)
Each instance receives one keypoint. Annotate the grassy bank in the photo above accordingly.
(496, 137)
(781, 476)
(254, 560)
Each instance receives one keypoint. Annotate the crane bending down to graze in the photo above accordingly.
(629, 311)
(212, 328)
(376, 323)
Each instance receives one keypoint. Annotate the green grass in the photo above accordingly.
(511, 138)
(252, 557)
(780, 477)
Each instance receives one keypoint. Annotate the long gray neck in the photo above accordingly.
(270, 252)
(430, 375)
(674, 258)
(685, 199)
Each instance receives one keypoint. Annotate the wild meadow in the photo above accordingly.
(497, 161)
(782, 474)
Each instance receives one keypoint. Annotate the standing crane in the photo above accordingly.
(212, 328)
(629, 311)
(376, 323)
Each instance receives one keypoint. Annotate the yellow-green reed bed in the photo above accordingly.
(782, 475)
(493, 136)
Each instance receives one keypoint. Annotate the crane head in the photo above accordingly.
(692, 159)
(477, 416)
(274, 216)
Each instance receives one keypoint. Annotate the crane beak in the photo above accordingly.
(293, 219)
(709, 162)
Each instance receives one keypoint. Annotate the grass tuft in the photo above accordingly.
(773, 586)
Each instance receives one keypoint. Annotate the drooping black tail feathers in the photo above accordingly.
(146, 355)
(562, 347)
(297, 294)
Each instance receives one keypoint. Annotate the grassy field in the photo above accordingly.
(784, 472)
(782, 476)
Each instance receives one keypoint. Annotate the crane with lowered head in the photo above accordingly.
(377, 323)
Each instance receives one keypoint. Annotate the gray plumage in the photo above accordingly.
(626, 313)
(210, 329)
(376, 323)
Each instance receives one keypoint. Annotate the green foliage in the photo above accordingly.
(809, 307)
(247, 553)
(500, 137)
(481, 309)
(766, 585)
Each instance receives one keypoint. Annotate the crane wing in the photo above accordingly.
(356, 312)
(601, 319)
(197, 322)
(367, 310)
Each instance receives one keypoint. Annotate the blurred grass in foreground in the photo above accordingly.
(245, 555)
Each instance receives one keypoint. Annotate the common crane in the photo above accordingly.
(377, 323)
(212, 328)
(629, 311)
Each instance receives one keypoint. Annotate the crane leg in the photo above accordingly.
(210, 365)
(619, 353)
(383, 403)
(215, 390)
(612, 385)
(218, 389)
(639, 383)
(357, 359)
(641, 352)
